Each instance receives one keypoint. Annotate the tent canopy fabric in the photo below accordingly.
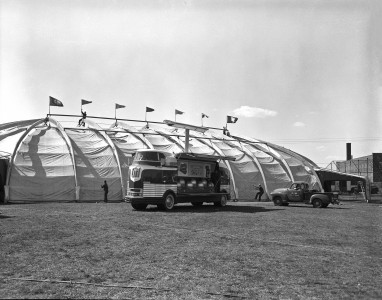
(52, 163)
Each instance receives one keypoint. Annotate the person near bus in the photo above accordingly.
(260, 192)
(216, 178)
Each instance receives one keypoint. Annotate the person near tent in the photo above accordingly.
(260, 192)
(2, 190)
(81, 121)
(105, 190)
(215, 177)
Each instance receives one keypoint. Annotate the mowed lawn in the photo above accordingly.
(245, 250)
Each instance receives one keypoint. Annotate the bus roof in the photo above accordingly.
(202, 157)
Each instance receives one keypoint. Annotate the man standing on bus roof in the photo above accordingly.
(106, 190)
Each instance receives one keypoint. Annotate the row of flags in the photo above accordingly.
(56, 102)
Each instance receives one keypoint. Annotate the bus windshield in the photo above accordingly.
(150, 156)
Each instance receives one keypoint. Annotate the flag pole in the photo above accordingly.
(49, 106)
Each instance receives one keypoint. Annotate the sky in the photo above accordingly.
(306, 75)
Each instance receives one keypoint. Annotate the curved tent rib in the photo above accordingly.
(216, 149)
(12, 159)
(229, 143)
(41, 166)
(65, 136)
(111, 144)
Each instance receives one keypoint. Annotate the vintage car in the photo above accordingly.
(299, 192)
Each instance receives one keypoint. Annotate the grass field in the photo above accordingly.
(245, 250)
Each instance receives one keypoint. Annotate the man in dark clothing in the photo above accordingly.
(106, 190)
(81, 121)
(216, 177)
(260, 192)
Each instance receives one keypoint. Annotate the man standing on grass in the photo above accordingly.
(106, 190)
(260, 192)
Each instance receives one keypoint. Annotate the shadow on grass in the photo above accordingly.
(311, 207)
(207, 208)
(5, 217)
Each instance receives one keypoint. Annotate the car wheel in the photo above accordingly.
(139, 206)
(169, 201)
(277, 201)
(222, 202)
(197, 203)
(317, 203)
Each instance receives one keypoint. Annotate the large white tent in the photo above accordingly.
(50, 162)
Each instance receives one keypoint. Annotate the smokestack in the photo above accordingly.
(348, 151)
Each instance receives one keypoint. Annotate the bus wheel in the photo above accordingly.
(169, 201)
(139, 206)
(197, 203)
(222, 202)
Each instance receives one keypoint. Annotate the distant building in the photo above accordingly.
(369, 166)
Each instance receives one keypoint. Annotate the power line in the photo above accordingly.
(327, 140)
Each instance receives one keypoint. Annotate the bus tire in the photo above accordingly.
(169, 201)
(222, 202)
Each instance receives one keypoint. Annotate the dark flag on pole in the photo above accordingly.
(178, 112)
(231, 119)
(83, 102)
(54, 102)
(148, 109)
(119, 106)
(204, 116)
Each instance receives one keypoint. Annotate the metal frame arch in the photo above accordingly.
(254, 144)
(107, 139)
(12, 160)
(142, 139)
(61, 130)
(171, 139)
(284, 162)
(254, 159)
(258, 164)
(27, 131)
(281, 158)
(302, 159)
(216, 149)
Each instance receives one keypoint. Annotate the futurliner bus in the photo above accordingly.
(163, 179)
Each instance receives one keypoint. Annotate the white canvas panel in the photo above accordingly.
(95, 162)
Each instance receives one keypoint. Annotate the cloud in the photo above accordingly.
(299, 124)
(249, 112)
(321, 148)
